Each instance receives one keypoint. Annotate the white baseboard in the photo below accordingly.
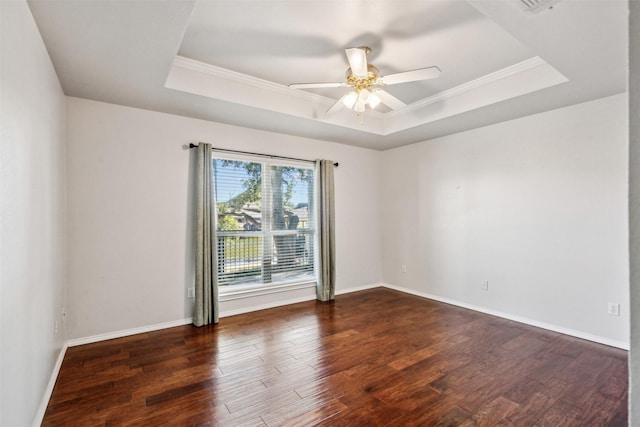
(223, 313)
(37, 420)
(519, 319)
(243, 310)
(125, 333)
(358, 288)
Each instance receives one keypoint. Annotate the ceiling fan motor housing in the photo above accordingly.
(362, 82)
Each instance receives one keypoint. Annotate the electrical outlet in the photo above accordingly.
(614, 309)
(484, 285)
(191, 292)
(404, 268)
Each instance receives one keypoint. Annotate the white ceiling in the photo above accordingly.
(231, 61)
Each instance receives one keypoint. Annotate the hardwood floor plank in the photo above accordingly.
(371, 358)
(268, 406)
(552, 364)
(169, 395)
(452, 418)
(417, 356)
(493, 413)
(315, 416)
(614, 379)
(530, 411)
(560, 414)
(305, 412)
(524, 389)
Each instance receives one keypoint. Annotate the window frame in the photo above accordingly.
(247, 290)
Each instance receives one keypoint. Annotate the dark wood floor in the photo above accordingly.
(376, 357)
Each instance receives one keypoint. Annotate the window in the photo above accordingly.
(265, 222)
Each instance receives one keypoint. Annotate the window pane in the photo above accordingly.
(293, 257)
(238, 187)
(292, 199)
(239, 260)
(292, 195)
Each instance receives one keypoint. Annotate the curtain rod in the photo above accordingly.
(224, 150)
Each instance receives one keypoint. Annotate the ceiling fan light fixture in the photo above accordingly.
(363, 96)
(374, 100)
(350, 99)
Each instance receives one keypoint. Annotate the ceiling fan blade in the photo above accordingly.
(337, 106)
(411, 76)
(390, 100)
(315, 85)
(357, 58)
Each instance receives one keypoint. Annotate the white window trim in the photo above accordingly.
(242, 291)
(235, 292)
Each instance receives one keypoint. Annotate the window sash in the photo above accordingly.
(269, 255)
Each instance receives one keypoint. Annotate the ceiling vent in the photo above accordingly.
(535, 6)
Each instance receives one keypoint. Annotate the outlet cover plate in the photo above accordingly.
(613, 309)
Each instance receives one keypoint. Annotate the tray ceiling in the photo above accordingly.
(231, 61)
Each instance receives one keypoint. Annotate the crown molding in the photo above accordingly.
(216, 82)
(255, 82)
(473, 84)
(226, 74)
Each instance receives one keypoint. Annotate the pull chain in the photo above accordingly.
(361, 115)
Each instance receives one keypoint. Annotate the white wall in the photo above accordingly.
(32, 217)
(535, 206)
(130, 247)
(634, 212)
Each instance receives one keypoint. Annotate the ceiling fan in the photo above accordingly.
(365, 83)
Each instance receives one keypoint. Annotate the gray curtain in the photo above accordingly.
(326, 289)
(206, 283)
